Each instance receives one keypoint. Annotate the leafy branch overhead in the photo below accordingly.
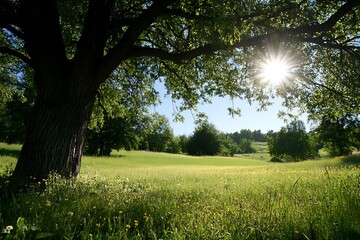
(172, 30)
(106, 33)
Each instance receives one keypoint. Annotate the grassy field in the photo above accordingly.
(143, 195)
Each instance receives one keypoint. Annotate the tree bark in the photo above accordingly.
(56, 134)
(66, 88)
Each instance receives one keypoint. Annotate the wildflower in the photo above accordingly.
(127, 226)
(136, 223)
(97, 225)
(7, 229)
(120, 212)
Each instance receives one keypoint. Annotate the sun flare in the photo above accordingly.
(274, 71)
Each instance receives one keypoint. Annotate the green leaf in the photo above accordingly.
(44, 235)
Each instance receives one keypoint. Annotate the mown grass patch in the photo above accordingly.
(140, 195)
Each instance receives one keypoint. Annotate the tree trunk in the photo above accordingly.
(56, 134)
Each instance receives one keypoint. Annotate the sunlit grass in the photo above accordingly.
(144, 163)
(142, 195)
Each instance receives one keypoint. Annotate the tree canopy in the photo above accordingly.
(198, 49)
(204, 141)
(340, 136)
(291, 143)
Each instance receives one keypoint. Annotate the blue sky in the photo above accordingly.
(218, 115)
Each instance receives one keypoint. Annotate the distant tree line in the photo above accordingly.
(207, 140)
(137, 129)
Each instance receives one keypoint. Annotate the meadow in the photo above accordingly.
(144, 195)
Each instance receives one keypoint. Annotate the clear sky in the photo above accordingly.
(273, 70)
(218, 115)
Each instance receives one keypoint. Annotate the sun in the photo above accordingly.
(274, 70)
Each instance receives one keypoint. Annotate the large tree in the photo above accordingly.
(291, 143)
(197, 48)
(206, 140)
(340, 135)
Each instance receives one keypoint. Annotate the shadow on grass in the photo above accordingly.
(351, 160)
(112, 155)
(10, 153)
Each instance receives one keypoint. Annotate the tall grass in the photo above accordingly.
(139, 195)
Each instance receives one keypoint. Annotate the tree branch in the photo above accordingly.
(12, 52)
(44, 41)
(330, 22)
(180, 57)
(94, 35)
(121, 49)
(180, 13)
(321, 42)
(13, 30)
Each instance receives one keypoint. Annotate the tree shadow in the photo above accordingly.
(351, 160)
(10, 153)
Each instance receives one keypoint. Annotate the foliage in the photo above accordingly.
(115, 133)
(291, 143)
(136, 130)
(228, 146)
(247, 134)
(157, 134)
(207, 140)
(17, 97)
(120, 117)
(14, 119)
(340, 135)
(204, 141)
(245, 146)
(331, 88)
(183, 142)
(258, 136)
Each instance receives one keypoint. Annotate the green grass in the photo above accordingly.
(8, 156)
(138, 163)
(143, 195)
(262, 152)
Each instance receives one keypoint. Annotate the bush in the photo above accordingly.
(276, 160)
